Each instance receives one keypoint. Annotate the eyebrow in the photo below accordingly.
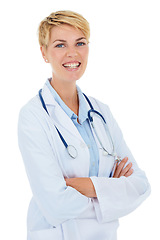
(61, 40)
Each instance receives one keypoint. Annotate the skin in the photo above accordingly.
(69, 45)
(85, 185)
(72, 48)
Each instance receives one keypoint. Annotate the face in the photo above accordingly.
(67, 52)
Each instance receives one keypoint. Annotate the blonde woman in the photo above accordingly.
(81, 172)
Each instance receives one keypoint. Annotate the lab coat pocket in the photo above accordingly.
(46, 234)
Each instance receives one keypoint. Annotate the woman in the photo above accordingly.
(80, 185)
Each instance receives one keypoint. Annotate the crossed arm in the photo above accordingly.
(85, 185)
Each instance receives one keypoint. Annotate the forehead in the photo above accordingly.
(65, 32)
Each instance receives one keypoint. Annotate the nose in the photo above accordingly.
(72, 52)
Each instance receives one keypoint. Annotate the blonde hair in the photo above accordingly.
(61, 17)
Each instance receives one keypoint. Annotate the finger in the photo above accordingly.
(120, 167)
(114, 169)
(129, 173)
(126, 169)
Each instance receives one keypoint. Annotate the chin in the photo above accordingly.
(74, 77)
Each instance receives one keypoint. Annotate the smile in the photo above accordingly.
(72, 65)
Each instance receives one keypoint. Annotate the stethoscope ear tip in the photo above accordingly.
(89, 115)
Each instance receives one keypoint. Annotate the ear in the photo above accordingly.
(43, 51)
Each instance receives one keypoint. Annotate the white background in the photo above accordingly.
(123, 71)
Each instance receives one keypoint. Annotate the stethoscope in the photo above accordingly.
(72, 151)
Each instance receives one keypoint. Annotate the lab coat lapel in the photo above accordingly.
(58, 115)
(105, 162)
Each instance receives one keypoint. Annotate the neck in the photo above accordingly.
(68, 93)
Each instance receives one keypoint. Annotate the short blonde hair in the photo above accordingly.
(61, 17)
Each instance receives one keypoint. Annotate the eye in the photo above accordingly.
(60, 45)
(81, 44)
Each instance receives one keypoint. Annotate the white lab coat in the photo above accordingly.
(60, 212)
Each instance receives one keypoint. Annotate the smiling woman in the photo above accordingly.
(64, 38)
(67, 52)
(83, 176)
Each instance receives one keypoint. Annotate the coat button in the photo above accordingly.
(82, 145)
(105, 153)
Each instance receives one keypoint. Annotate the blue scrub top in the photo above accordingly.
(83, 126)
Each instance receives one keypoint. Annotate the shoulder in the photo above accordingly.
(107, 114)
(100, 106)
(30, 106)
(104, 110)
(31, 111)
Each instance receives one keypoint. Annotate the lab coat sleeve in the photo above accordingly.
(117, 197)
(56, 201)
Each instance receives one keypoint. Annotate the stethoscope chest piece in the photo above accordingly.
(72, 151)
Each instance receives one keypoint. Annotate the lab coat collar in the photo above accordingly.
(60, 117)
(58, 99)
(83, 105)
(48, 98)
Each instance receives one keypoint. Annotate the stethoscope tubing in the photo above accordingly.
(70, 148)
(72, 151)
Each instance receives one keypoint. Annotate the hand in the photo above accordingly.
(121, 171)
(82, 185)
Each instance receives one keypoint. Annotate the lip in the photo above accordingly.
(71, 62)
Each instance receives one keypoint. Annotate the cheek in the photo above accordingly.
(56, 62)
(85, 53)
(55, 56)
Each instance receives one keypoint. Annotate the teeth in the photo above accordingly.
(71, 65)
